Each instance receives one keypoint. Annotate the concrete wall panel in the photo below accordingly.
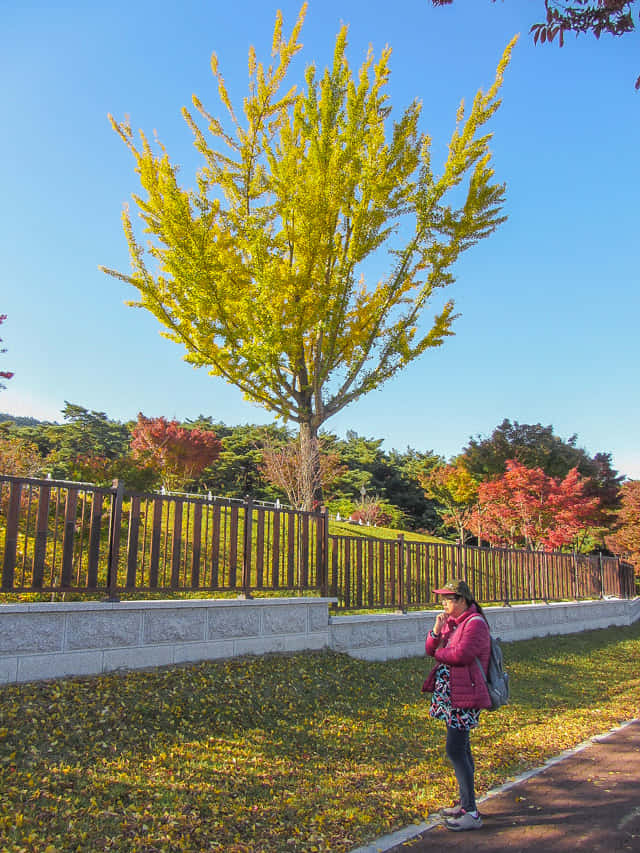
(175, 626)
(193, 652)
(142, 657)
(233, 622)
(8, 670)
(31, 632)
(96, 630)
(41, 667)
(285, 620)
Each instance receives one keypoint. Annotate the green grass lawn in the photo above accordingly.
(309, 752)
(342, 528)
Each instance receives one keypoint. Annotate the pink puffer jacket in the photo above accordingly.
(461, 641)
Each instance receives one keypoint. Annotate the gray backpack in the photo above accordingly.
(497, 679)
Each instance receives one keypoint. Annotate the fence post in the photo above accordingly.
(247, 548)
(629, 580)
(601, 574)
(575, 574)
(619, 574)
(505, 565)
(401, 591)
(114, 540)
(323, 568)
(11, 536)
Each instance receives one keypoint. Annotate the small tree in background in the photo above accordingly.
(4, 374)
(19, 458)
(371, 511)
(285, 467)
(526, 507)
(625, 540)
(178, 454)
(91, 468)
(456, 493)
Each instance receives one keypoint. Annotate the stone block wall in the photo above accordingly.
(39, 641)
(397, 635)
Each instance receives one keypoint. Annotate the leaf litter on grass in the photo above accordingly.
(306, 752)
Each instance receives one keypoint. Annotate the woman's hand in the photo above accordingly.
(441, 618)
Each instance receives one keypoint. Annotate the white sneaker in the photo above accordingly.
(464, 822)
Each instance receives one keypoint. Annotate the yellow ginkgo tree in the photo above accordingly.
(264, 270)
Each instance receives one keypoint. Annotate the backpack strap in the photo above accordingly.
(478, 616)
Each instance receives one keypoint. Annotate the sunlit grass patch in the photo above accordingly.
(345, 528)
(305, 752)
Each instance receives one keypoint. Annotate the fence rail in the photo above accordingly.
(65, 537)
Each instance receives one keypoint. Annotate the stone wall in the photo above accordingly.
(394, 635)
(40, 641)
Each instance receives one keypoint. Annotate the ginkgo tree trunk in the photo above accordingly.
(262, 271)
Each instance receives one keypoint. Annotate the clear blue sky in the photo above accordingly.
(550, 304)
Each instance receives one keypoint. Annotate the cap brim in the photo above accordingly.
(444, 592)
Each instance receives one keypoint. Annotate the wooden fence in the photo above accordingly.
(371, 573)
(62, 537)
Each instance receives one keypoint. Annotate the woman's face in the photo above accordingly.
(454, 605)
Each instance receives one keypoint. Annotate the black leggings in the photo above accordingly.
(459, 754)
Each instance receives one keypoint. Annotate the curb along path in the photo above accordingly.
(586, 799)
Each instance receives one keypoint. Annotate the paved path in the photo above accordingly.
(587, 801)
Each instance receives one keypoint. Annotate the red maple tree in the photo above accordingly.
(525, 507)
(178, 453)
(625, 539)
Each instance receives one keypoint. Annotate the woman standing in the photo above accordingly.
(459, 636)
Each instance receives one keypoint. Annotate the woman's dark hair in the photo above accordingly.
(479, 609)
(471, 600)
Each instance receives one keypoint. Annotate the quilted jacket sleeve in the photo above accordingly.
(432, 643)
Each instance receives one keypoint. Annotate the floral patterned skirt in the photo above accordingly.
(442, 709)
